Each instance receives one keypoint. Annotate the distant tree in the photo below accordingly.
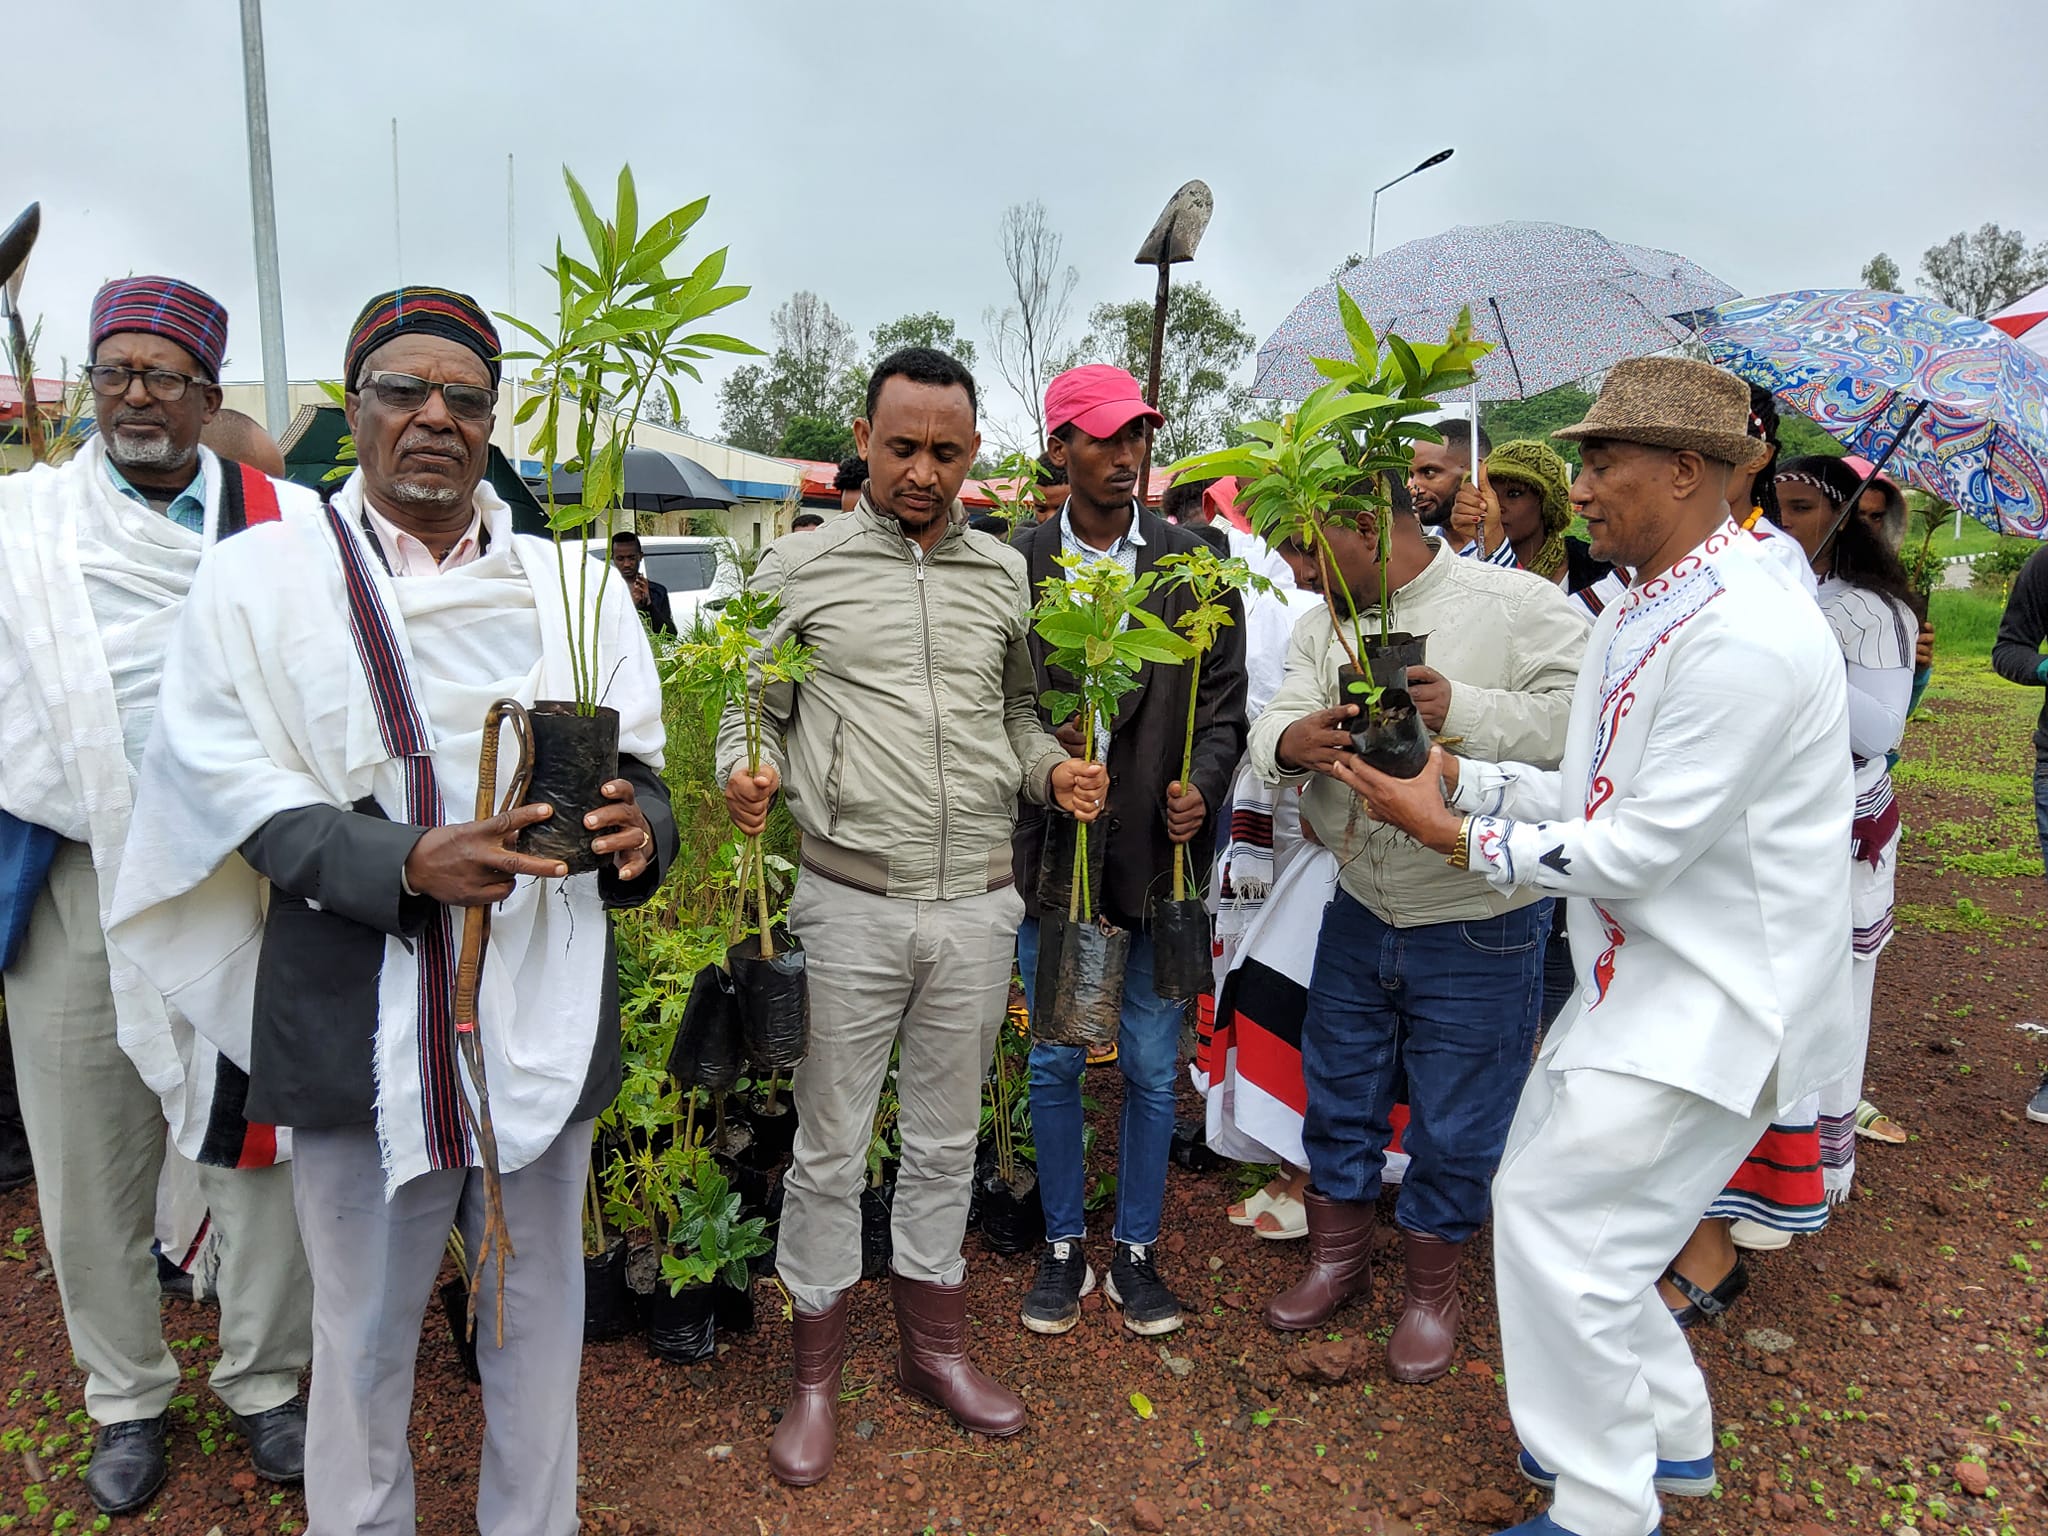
(1982, 273)
(746, 418)
(1537, 417)
(825, 439)
(659, 413)
(1024, 335)
(1353, 260)
(929, 329)
(810, 373)
(1798, 437)
(1882, 274)
(1205, 343)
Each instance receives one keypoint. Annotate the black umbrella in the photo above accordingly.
(658, 482)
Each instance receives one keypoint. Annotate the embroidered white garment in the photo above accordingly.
(1699, 824)
(91, 582)
(266, 709)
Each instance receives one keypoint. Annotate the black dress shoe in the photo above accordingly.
(128, 1465)
(16, 1168)
(277, 1441)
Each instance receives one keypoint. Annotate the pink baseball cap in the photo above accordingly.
(1098, 399)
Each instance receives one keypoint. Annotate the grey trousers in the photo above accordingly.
(374, 1264)
(935, 974)
(96, 1132)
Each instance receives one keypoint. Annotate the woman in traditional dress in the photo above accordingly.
(1805, 1164)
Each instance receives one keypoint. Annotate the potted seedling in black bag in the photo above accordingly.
(623, 328)
(1097, 634)
(704, 1267)
(1007, 1203)
(1182, 965)
(1330, 463)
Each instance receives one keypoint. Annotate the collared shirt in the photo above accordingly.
(405, 555)
(187, 508)
(1123, 549)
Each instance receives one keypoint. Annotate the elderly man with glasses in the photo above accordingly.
(321, 727)
(96, 559)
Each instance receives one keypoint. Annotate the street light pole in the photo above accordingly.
(1373, 227)
(263, 211)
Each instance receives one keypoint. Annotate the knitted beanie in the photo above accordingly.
(1538, 466)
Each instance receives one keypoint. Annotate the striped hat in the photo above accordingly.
(163, 306)
(428, 312)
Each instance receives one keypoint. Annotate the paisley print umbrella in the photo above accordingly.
(1954, 405)
(1557, 303)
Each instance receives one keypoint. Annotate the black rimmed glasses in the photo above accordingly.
(406, 392)
(165, 384)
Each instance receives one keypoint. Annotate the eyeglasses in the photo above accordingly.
(404, 392)
(163, 384)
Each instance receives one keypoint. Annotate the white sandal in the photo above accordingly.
(1254, 1203)
(1292, 1214)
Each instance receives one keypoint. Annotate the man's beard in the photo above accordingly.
(416, 494)
(153, 452)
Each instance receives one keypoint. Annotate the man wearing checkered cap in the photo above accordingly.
(96, 558)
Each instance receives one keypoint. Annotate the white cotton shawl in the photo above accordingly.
(266, 708)
(63, 762)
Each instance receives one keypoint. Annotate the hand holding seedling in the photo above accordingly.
(1468, 515)
(1431, 691)
(1417, 806)
(623, 830)
(471, 864)
(1068, 735)
(747, 797)
(1080, 788)
(1316, 741)
(1185, 810)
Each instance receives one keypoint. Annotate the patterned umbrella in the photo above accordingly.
(2026, 321)
(1557, 303)
(1958, 407)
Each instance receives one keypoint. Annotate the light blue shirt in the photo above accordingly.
(187, 508)
(1124, 551)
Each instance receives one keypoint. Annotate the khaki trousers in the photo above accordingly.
(96, 1132)
(936, 976)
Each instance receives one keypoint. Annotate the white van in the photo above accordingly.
(697, 571)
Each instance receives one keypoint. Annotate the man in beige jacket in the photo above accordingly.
(901, 754)
(1421, 970)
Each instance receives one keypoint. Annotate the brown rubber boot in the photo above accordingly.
(931, 1361)
(1427, 1334)
(801, 1451)
(1339, 1265)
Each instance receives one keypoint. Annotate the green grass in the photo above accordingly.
(1965, 624)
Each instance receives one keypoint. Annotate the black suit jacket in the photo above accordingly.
(659, 617)
(1130, 855)
(311, 1050)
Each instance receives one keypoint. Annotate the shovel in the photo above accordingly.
(16, 241)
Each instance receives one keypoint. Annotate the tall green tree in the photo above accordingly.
(825, 439)
(811, 373)
(929, 329)
(1981, 273)
(1205, 344)
(1882, 274)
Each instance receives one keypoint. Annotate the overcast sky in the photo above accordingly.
(866, 150)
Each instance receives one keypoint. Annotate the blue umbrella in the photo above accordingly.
(1557, 303)
(1955, 405)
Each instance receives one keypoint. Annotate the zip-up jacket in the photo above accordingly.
(904, 749)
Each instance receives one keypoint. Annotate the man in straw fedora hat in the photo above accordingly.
(1695, 828)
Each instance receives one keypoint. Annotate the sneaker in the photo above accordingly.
(1149, 1308)
(1053, 1304)
(1686, 1479)
(2037, 1106)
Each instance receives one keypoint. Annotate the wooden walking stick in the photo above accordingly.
(476, 935)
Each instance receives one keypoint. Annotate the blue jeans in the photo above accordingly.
(1560, 980)
(1455, 1005)
(1147, 1049)
(2041, 802)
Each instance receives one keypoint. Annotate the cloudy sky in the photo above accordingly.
(866, 150)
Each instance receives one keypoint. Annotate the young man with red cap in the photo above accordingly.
(96, 559)
(1100, 427)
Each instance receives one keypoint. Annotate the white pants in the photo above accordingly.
(1603, 1180)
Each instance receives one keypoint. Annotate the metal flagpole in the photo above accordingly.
(263, 212)
(397, 235)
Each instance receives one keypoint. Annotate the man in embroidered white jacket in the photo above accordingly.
(1696, 826)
